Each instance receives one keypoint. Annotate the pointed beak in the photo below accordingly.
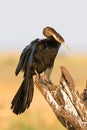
(66, 46)
(60, 40)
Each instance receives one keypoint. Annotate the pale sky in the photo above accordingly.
(21, 21)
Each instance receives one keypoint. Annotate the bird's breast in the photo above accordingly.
(43, 56)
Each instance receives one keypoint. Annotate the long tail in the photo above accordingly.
(23, 97)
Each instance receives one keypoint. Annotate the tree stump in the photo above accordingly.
(68, 105)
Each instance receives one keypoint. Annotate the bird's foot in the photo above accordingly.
(43, 78)
(37, 73)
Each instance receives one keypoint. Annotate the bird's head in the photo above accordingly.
(50, 32)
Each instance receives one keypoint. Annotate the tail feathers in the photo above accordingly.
(23, 97)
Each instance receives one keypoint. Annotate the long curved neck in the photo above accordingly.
(54, 42)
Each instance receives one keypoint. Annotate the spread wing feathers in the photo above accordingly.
(26, 55)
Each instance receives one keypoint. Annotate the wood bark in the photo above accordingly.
(68, 105)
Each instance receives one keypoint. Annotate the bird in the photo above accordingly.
(38, 56)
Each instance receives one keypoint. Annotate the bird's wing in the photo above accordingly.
(26, 56)
(30, 58)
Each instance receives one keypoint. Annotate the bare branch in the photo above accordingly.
(65, 101)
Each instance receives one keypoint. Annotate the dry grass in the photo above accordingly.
(40, 115)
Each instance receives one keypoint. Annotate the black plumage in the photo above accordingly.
(39, 56)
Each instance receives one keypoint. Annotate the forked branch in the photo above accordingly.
(65, 101)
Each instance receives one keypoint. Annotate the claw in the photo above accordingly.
(38, 75)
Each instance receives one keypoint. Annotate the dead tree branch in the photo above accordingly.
(65, 101)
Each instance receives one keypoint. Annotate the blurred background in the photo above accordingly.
(21, 21)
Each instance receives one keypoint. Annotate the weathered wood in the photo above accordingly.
(64, 100)
(84, 95)
(75, 97)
